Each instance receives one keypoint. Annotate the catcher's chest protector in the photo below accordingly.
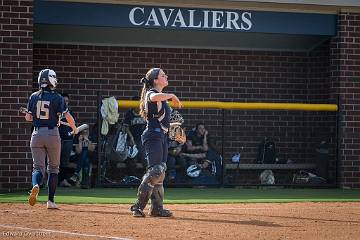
(158, 113)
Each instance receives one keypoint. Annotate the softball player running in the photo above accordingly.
(43, 110)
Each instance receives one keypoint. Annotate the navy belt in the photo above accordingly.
(160, 130)
(37, 128)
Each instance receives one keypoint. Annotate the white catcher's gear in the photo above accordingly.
(47, 77)
(132, 151)
(175, 117)
(176, 132)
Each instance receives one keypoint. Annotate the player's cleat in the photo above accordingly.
(160, 213)
(33, 195)
(137, 212)
(51, 205)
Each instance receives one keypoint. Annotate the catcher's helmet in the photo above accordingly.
(47, 77)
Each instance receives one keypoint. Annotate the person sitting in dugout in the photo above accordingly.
(199, 149)
(83, 147)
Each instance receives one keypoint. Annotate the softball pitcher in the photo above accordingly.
(43, 110)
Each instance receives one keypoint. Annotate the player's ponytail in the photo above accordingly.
(148, 82)
(143, 112)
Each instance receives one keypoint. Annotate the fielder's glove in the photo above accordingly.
(176, 133)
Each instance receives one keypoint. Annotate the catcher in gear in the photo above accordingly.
(155, 109)
(44, 110)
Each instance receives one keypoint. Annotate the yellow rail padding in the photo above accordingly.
(243, 106)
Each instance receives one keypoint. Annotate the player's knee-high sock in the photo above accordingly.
(36, 178)
(52, 183)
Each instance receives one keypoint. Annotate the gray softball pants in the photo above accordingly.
(46, 143)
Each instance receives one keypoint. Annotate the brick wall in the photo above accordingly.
(16, 30)
(345, 71)
(218, 75)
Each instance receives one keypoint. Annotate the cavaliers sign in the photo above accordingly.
(172, 18)
(190, 18)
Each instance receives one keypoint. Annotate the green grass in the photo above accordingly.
(193, 195)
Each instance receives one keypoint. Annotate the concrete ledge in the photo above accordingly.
(296, 166)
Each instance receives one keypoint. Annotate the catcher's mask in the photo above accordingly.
(193, 171)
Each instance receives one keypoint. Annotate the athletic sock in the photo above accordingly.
(36, 178)
(52, 183)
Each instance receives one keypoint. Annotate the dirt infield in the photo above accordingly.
(205, 221)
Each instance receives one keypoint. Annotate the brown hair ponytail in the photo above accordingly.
(143, 112)
(148, 82)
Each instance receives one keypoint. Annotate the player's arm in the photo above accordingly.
(28, 114)
(78, 147)
(71, 122)
(158, 97)
(190, 147)
(28, 117)
(205, 145)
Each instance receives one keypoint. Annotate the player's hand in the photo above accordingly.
(176, 102)
(75, 131)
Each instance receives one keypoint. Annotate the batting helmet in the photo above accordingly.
(47, 77)
(193, 170)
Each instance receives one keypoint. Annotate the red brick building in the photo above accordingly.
(237, 51)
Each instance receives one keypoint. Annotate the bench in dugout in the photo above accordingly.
(292, 166)
(283, 172)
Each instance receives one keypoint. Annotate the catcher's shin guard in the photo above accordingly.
(144, 192)
(153, 176)
(157, 199)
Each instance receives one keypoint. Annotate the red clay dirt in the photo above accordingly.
(203, 221)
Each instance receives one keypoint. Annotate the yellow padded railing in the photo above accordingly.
(244, 106)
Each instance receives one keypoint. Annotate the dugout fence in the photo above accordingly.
(306, 138)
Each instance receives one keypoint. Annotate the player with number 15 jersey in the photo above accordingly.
(44, 109)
